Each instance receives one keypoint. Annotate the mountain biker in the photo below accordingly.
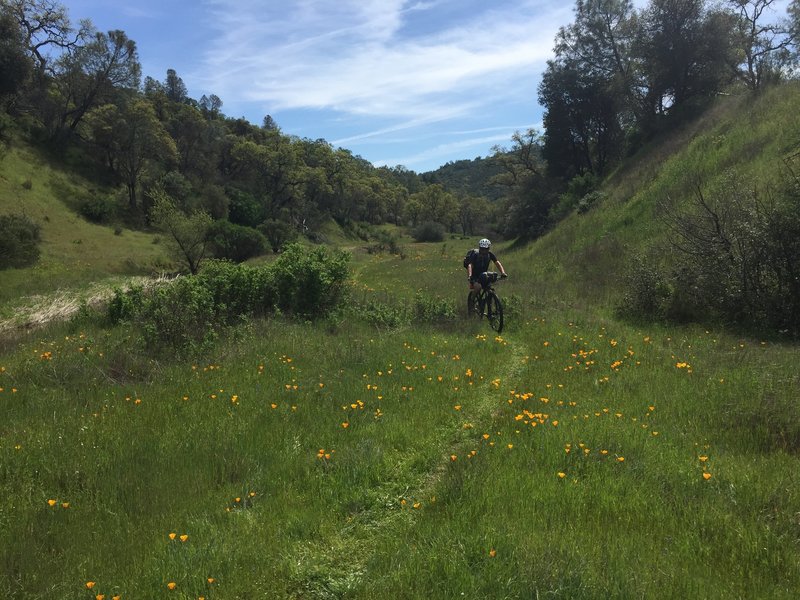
(479, 264)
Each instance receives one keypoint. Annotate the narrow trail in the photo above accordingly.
(322, 570)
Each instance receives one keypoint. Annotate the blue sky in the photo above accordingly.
(417, 83)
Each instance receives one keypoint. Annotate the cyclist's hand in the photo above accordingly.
(503, 275)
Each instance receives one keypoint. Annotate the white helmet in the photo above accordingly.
(484, 243)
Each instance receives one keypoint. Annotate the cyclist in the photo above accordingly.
(479, 264)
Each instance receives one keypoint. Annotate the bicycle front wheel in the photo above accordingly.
(494, 312)
(473, 308)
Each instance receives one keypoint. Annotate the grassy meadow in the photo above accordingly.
(393, 448)
(576, 456)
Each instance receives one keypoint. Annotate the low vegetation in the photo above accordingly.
(300, 409)
(563, 458)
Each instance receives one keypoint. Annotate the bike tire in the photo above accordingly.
(473, 306)
(494, 312)
(470, 306)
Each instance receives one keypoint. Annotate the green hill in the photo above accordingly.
(74, 251)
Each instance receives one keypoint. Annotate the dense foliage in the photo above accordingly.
(189, 313)
(19, 241)
(739, 251)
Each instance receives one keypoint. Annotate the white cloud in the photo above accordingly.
(352, 56)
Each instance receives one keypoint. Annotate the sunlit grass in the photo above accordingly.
(575, 457)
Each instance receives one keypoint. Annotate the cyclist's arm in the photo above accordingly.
(500, 266)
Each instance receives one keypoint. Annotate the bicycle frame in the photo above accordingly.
(486, 303)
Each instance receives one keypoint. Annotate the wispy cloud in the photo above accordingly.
(353, 56)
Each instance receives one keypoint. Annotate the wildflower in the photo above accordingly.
(706, 476)
(492, 553)
(184, 537)
(621, 459)
(702, 458)
(417, 504)
(51, 502)
(172, 585)
(90, 585)
(211, 580)
(65, 505)
(561, 475)
(453, 458)
(345, 425)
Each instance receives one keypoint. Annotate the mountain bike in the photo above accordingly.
(486, 303)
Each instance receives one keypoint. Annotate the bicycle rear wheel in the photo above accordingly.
(494, 312)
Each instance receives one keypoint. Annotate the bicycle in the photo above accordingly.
(486, 303)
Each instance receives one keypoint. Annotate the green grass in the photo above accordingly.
(75, 252)
(576, 456)
(445, 480)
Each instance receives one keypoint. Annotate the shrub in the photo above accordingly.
(96, 210)
(433, 309)
(187, 315)
(19, 241)
(429, 231)
(646, 292)
(309, 282)
(382, 315)
(179, 316)
(277, 232)
(385, 241)
(236, 242)
(737, 251)
(239, 290)
(125, 305)
(589, 200)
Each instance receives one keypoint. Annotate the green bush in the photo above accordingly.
(125, 305)
(277, 232)
(429, 231)
(236, 242)
(432, 309)
(96, 210)
(309, 282)
(180, 316)
(737, 254)
(239, 290)
(589, 200)
(19, 241)
(385, 241)
(382, 315)
(188, 313)
(647, 291)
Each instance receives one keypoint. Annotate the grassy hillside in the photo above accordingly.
(75, 252)
(395, 449)
(756, 138)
